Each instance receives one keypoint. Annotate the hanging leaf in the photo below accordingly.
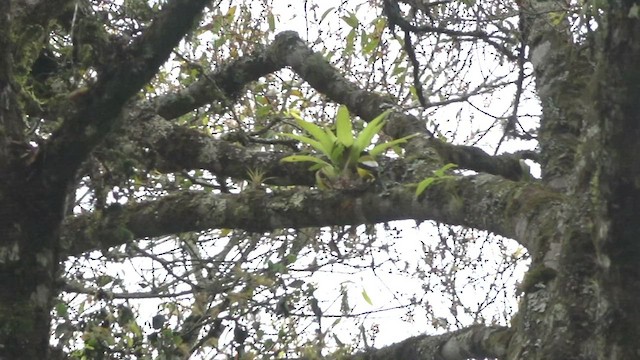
(272, 21)
(366, 297)
(351, 20)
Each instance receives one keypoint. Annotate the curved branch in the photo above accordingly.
(471, 157)
(222, 85)
(289, 49)
(181, 148)
(98, 109)
(476, 341)
(484, 202)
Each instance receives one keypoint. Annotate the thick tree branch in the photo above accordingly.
(180, 148)
(507, 208)
(223, 85)
(476, 341)
(610, 162)
(177, 148)
(98, 109)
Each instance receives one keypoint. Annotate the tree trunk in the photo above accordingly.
(581, 294)
(30, 219)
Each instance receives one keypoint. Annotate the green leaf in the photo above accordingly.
(272, 21)
(424, 184)
(344, 128)
(316, 166)
(414, 92)
(381, 148)
(135, 328)
(330, 172)
(331, 136)
(351, 20)
(104, 280)
(337, 155)
(324, 15)
(321, 183)
(370, 46)
(313, 129)
(438, 175)
(318, 133)
(350, 41)
(557, 17)
(304, 158)
(314, 143)
(366, 297)
(440, 172)
(62, 309)
(325, 177)
(366, 135)
(232, 12)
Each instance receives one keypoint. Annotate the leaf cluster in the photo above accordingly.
(341, 154)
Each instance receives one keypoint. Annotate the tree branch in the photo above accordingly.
(393, 13)
(223, 85)
(289, 49)
(98, 109)
(484, 202)
(180, 148)
(476, 341)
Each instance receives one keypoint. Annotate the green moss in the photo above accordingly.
(17, 320)
(537, 275)
(527, 200)
(455, 203)
(123, 234)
